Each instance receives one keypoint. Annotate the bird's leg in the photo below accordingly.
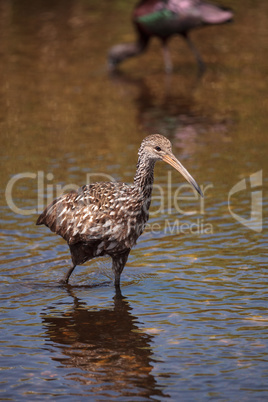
(199, 60)
(167, 58)
(68, 274)
(119, 261)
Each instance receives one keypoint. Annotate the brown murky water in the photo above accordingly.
(191, 322)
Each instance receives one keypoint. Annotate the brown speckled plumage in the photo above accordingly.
(106, 218)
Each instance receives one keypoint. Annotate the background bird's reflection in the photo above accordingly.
(106, 345)
(171, 107)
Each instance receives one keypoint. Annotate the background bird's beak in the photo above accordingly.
(171, 160)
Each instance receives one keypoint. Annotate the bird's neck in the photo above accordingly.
(123, 51)
(131, 49)
(144, 177)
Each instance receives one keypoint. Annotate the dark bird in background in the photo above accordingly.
(106, 218)
(164, 19)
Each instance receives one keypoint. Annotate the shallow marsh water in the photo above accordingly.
(191, 322)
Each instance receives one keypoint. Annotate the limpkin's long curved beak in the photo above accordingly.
(171, 160)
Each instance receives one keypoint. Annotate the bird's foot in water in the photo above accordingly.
(63, 282)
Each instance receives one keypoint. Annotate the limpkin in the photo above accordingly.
(106, 218)
(164, 19)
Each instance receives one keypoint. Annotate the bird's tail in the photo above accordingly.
(212, 14)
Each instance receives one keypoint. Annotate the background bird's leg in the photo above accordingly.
(199, 60)
(119, 261)
(167, 58)
(68, 274)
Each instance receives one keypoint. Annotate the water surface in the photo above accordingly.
(190, 322)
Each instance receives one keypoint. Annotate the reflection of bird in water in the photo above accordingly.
(107, 218)
(164, 19)
(103, 349)
(173, 109)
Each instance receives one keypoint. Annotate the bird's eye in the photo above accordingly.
(158, 149)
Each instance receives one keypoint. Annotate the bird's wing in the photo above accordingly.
(101, 211)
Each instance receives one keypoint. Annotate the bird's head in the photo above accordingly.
(157, 147)
(114, 57)
(117, 54)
